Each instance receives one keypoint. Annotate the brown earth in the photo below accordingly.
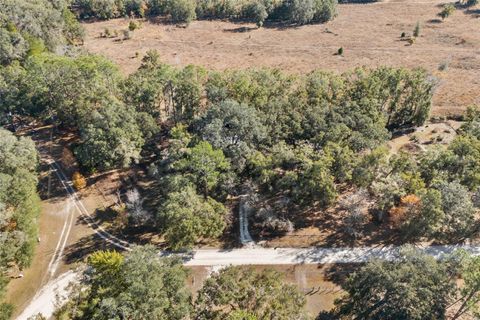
(368, 33)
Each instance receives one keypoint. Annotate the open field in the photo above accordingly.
(369, 34)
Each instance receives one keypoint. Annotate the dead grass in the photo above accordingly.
(369, 34)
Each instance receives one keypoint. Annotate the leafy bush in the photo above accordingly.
(448, 10)
(79, 181)
(182, 10)
(302, 11)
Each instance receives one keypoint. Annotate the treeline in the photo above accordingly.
(296, 135)
(141, 285)
(258, 11)
(31, 27)
(19, 207)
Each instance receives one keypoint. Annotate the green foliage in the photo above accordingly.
(182, 10)
(185, 11)
(165, 92)
(316, 184)
(460, 161)
(139, 285)
(12, 46)
(186, 218)
(302, 11)
(426, 219)
(447, 11)
(236, 291)
(416, 30)
(369, 167)
(204, 166)
(415, 286)
(233, 127)
(19, 206)
(66, 88)
(459, 213)
(27, 25)
(6, 309)
(470, 291)
(110, 138)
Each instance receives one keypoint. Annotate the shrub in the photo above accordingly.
(447, 11)
(325, 10)
(127, 35)
(471, 3)
(302, 11)
(132, 26)
(256, 11)
(79, 181)
(340, 51)
(416, 31)
(182, 10)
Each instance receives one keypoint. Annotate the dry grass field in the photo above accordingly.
(368, 33)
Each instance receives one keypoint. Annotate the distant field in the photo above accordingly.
(369, 34)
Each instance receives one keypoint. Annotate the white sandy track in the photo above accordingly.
(44, 301)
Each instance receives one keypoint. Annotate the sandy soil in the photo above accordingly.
(368, 33)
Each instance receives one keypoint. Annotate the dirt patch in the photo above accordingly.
(368, 33)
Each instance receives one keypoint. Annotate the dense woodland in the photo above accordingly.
(208, 135)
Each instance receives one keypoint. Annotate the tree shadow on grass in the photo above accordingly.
(85, 246)
(338, 273)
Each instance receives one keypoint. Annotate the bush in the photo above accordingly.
(302, 11)
(132, 26)
(79, 181)
(325, 10)
(257, 12)
(182, 10)
(127, 35)
(416, 31)
(447, 11)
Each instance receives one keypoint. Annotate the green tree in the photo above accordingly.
(204, 166)
(469, 292)
(316, 184)
(12, 46)
(236, 291)
(6, 309)
(110, 138)
(325, 10)
(186, 218)
(182, 10)
(302, 11)
(425, 218)
(235, 128)
(414, 286)
(369, 167)
(61, 87)
(140, 285)
(459, 213)
(19, 207)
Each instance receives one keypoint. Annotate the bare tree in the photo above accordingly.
(134, 205)
(355, 205)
